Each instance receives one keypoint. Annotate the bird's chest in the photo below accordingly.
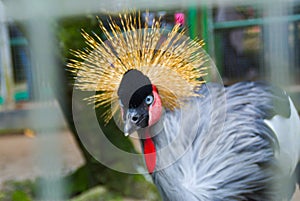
(171, 183)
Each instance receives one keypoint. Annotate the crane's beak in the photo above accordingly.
(129, 127)
(135, 119)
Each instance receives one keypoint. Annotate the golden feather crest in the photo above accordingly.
(174, 63)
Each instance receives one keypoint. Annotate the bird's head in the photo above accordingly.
(139, 101)
(139, 70)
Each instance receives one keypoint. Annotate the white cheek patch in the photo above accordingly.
(287, 131)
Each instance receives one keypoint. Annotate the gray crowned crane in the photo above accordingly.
(201, 141)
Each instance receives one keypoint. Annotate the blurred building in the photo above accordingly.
(238, 38)
(20, 67)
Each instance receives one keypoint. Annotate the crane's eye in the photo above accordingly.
(149, 99)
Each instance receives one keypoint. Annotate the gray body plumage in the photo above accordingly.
(219, 146)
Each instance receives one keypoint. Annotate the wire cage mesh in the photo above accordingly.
(268, 31)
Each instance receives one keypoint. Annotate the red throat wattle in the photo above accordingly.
(149, 152)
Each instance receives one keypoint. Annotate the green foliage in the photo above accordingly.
(20, 196)
(97, 194)
(69, 33)
(121, 186)
(77, 181)
(17, 191)
(115, 183)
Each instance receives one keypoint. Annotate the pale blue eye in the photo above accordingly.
(149, 99)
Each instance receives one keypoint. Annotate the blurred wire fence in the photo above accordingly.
(275, 24)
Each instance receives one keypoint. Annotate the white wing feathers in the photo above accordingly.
(287, 131)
